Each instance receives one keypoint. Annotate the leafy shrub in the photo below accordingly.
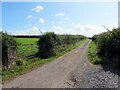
(47, 43)
(94, 38)
(50, 43)
(8, 40)
(105, 49)
(108, 43)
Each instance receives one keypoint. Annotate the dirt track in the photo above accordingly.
(72, 70)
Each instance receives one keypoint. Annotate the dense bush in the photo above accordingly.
(7, 41)
(51, 43)
(47, 43)
(108, 43)
(108, 47)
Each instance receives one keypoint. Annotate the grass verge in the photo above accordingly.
(96, 59)
(29, 64)
(92, 54)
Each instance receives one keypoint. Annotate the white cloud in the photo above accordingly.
(60, 14)
(31, 31)
(38, 8)
(67, 18)
(60, 30)
(29, 16)
(90, 30)
(87, 30)
(42, 20)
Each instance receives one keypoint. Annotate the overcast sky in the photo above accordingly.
(86, 18)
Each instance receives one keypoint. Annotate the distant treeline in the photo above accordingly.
(37, 36)
(25, 36)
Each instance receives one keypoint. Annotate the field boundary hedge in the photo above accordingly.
(108, 46)
(50, 43)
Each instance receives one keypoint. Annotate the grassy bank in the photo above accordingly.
(92, 54)
(29, 64)
(103, 61)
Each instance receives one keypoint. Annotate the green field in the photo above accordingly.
(27, 40)
(26, 50)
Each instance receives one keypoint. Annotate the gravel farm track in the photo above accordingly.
(72, 70)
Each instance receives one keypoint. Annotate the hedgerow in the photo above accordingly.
(7, 40)
(108, 43)
(50, 43)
